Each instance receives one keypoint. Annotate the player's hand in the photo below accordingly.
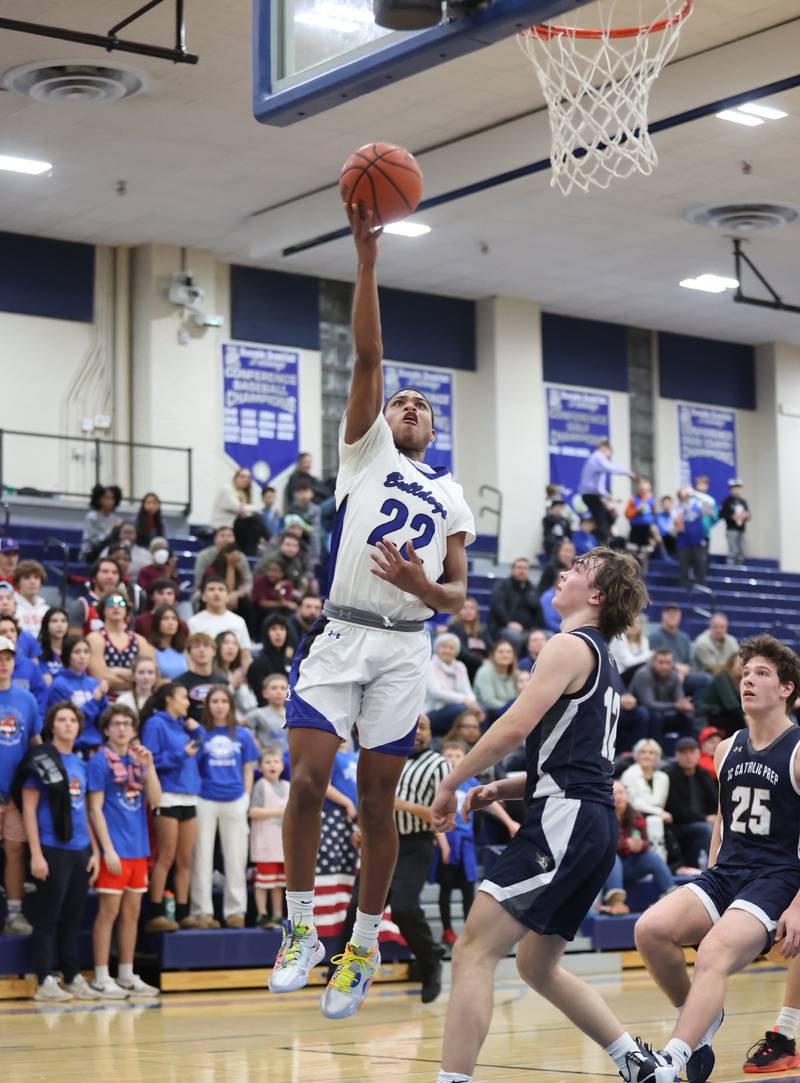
(479, 797)
(443, 809)
(404, 573)
(789, 932)
(113, 863)
(365, 232)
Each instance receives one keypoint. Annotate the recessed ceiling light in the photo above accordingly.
(24, 165)
(767, 112)
(709, 283)
(407, 229)
(739, 118)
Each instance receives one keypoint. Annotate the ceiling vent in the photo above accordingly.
(743, 217)
(75, 82)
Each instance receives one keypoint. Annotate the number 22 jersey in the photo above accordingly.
(381, 494)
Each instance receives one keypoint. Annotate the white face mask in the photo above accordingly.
(161, 556)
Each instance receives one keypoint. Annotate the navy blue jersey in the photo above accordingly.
(760, 803)
(571, 752)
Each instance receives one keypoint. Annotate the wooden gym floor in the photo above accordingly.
(252, 1037)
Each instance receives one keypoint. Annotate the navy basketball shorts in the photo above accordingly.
(765, 893)
(554, 868)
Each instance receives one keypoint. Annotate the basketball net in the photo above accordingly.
(596, 83)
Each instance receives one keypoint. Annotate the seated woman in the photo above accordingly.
(630, 651)
(472, 635)
(648, 789)
(448, 691)
(536, 640)
(238, 505)
(635, 859)
(494, 682)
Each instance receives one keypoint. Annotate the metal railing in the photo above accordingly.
(99, 449)
(497, 512)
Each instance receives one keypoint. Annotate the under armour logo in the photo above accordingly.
(543, 861)
(334, 635)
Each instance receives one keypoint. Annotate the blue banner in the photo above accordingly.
(437, 386)
(707, 446)
(577, 421)
(261, 397)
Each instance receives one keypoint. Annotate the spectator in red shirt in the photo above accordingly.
(709, 738)
(163, 592)
(272, 591)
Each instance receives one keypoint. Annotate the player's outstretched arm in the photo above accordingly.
(366, 388)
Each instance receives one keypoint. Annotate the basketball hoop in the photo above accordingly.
(596, 83)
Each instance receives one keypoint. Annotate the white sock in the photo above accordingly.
(787, 1022)
(453, 1077)
(300, 907)
(125, 971)
(712, 1030)
(618, 1049)
(101, 973)
(365, 930)
(678, 1052)
(14, 906)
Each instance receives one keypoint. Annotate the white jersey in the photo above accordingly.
(381, 493)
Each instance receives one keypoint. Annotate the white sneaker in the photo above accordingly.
(135, 987)
(301, 950)
(646, 1066)
(108, 989)
(345, 992)
(17, 925)
(82, 990)
(49, 989)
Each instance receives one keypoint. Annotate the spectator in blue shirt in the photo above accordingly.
(665, 521)
(273, 520)
(641, 514)
(26, 671)
(584, 537)
(53, 632)
(226, 762)
(74, 685)
(593, 487)
(691, 538)
(27, 645)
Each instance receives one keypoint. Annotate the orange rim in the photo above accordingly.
(544, 32)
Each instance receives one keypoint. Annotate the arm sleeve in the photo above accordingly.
(96, 773)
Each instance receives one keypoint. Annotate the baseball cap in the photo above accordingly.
(710, 731)
(5, 585)
(7, 644)
(685, 742)
(734, 481)
(296, 520)
(670, 605)
(9, 545)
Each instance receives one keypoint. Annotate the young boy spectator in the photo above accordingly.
(31, 607)
(9, 555)
(665, 521)
(27, 674)
(20, 725)
(27, 645)
(200, 677)
(584, 537)
(555, 526)
(736, 512)
(272, 591)
(273, 520)
(215, 617)
(104, 575)
(267, 805)
(267, 722)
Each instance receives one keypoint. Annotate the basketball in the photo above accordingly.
(385, 179)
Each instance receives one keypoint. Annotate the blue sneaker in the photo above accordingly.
(701, 1063)
(300, 951)
(345, 992)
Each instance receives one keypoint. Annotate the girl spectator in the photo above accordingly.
(124, 536)
(163, 564)
(562, 560)
(225, 761)
(174, 741)
(228, 663)
(648, 789)
(494, 681)
(635, 859)
(72, 684)
(53, 632)
(100, 520)
(121, 779)
(536, 640)
(630, 651)
(466, 728)
(448, 691)
(169, 641)
(64, 854)
(472, 635)
(113, 647)
(721, 702)
(270, 795)
(145, 678)
(275, 657)
(149, 523)
(237, 505)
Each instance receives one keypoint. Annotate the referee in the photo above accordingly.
(421, 775)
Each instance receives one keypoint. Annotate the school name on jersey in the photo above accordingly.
(751, 767)
(394, 480)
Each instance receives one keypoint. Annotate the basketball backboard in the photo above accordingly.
(312, 55)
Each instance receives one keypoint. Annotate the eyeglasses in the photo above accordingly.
(120, 722)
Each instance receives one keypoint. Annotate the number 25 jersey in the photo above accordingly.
(381, 494)
(760, 803)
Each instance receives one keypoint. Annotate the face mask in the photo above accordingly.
(161, 556)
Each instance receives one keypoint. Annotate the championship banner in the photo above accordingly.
(261, 397)
(707, 446)
(437, 386)
(577, 421)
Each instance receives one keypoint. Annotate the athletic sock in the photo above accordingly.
(453, 1077)
(125, 971)
(14, 906)
(300, 907)
(678, 1052)
(787, 1023)
(365, 930)
(181, 911)
(101, 973)
(622, 1046)
(712, 1030)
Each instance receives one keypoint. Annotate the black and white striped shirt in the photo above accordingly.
(418, 783)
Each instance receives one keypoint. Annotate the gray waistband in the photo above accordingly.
(370, 620)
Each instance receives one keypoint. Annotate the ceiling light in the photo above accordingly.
(767, 112)
(739, 118)
(709, 283)
(24, 165)
(407, 229)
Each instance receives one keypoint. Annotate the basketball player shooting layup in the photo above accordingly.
(750, 893)
(544, 883)
(397, 555)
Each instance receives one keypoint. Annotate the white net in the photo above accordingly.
(597, 85)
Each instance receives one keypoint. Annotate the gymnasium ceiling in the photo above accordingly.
(201, 172)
